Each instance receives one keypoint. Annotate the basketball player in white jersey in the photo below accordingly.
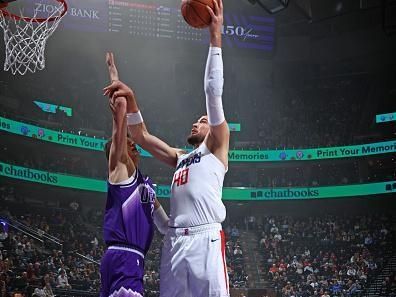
(193, 255)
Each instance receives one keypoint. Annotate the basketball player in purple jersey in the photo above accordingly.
(130, 207)
(193, 260)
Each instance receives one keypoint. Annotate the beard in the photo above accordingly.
(195, 139)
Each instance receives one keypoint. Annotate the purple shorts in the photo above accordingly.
(121, 273)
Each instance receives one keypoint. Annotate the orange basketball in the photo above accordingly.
(196, 13)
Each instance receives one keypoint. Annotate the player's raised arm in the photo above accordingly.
(219, 134)
(158, 148)
(118, 146)
(117, 155)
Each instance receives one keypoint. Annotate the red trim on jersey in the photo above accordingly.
(222, 236)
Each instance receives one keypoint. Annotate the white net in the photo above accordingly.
(25, 40)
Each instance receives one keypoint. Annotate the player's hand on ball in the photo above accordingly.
(217, 16)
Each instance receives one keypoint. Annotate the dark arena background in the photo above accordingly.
(310, 97)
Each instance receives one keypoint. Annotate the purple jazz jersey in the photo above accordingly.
(129, 213)
(128, 222)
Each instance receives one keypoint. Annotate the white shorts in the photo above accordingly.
(193, 262)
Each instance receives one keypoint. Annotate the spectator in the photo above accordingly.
(62, 281)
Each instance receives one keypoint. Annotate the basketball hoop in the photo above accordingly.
(25, 38)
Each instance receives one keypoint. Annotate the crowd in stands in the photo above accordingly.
(320, 256)
(238, 277)
(323, 256)
(389, 286)
(40, 268)
(152, 263)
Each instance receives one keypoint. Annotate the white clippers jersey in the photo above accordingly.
(196, 189)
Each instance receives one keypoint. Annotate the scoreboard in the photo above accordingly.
(158, 19)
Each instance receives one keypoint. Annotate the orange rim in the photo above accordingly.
(34, 20)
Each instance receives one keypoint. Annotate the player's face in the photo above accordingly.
(133, 153)
(199, 131)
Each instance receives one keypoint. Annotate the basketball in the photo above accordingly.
(195, 12)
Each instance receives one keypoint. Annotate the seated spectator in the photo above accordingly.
(274, 269)
(62, 281)
(234, 233)
(238, 252)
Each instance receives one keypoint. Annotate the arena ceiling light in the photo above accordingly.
(271, 6)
